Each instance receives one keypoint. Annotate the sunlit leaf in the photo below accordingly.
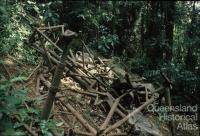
(20, 78)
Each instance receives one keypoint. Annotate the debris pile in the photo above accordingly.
(95, 98)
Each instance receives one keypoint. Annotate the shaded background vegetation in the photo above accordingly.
(143, 36)
(146, 36)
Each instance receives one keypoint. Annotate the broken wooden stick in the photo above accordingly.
(168, 84)
(50, 27)
(34, 71)
(88, 51)
(118, 134)
(122, 121)
(49, 40)
(80, 118)
(78, 132)
(110, 114)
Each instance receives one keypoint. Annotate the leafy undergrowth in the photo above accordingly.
(19, 109)
(19, 114)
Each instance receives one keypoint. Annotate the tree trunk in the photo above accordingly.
(152, 35)
(191, 58)
(142, 33)
(65, 39)
(169, 26)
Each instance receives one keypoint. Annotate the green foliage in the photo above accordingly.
(138, 34)
(49, 12)
(11, 103)
(50, 125)
(15, 27)
(18, 20)
(106, 43)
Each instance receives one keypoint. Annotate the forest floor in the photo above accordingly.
(83, 104)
